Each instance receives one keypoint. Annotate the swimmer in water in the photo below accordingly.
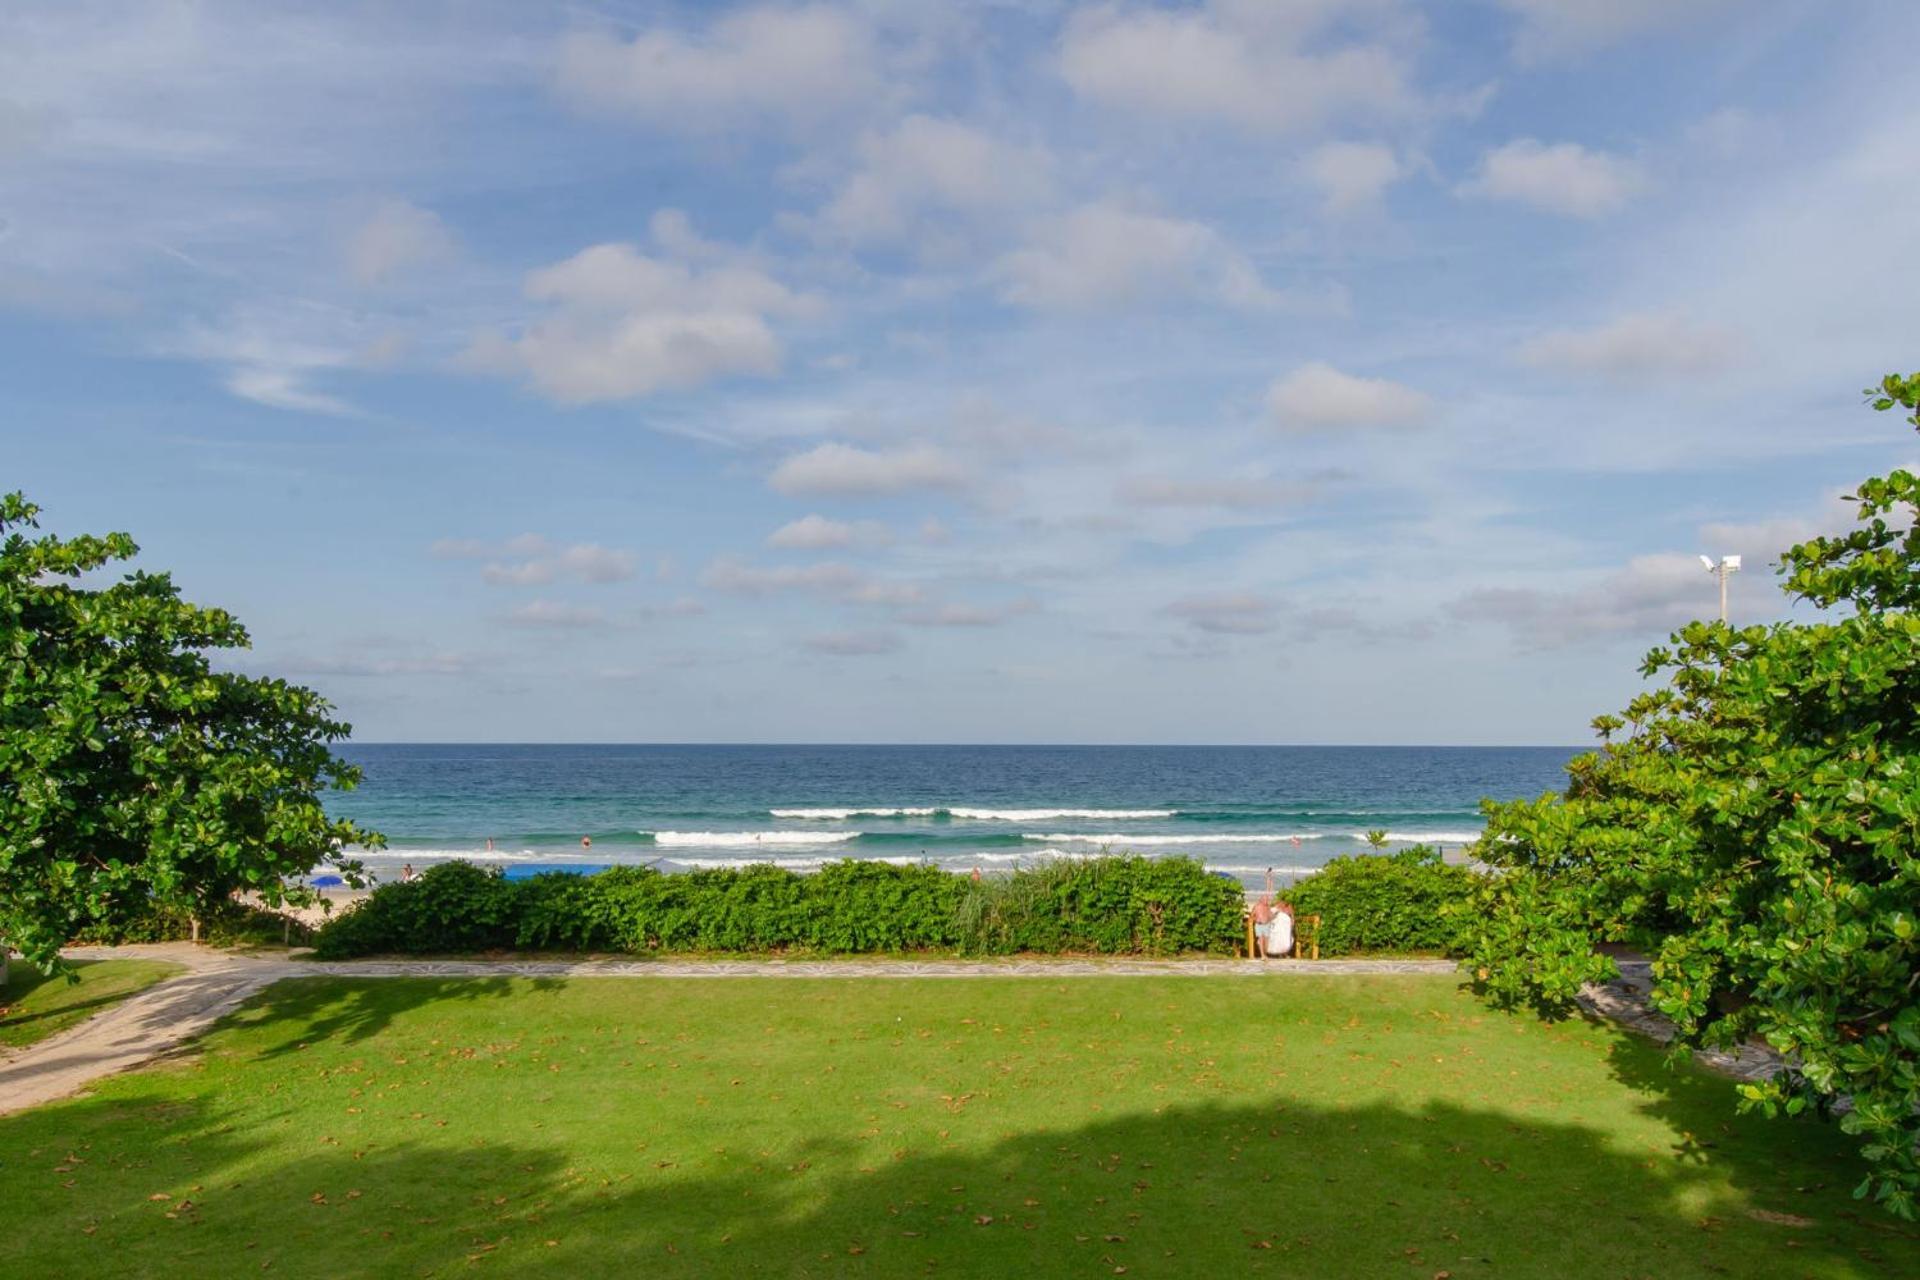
(586, 842)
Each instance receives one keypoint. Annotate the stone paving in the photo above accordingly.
(1624, 1000)
(165, 1016)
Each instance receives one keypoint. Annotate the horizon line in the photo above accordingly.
(1313, 746)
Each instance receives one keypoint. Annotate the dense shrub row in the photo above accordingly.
(1120, 905)
(230, 924)
(1405, 901)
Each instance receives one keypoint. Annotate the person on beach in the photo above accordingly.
(586, 842)
(406, 874)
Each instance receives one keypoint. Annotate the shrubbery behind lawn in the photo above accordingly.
(1107, 906)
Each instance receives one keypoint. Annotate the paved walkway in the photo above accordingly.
(140, 1028)
(160, 1019)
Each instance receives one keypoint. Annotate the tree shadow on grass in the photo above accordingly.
(1281, 1188)
(349, 1010)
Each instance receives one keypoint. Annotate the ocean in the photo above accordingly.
(1239, 810)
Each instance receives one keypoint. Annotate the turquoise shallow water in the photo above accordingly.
(1238, 809)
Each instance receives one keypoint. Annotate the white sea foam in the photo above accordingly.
(975, 815)
(841, 815)
(1116, 838)
(785, 864)
(733, 839)
(1434, 837)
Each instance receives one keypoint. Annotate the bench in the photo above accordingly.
(1306, 938)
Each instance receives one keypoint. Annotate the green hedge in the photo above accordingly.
(230, 924)
(1114, 906)
(1406, 901)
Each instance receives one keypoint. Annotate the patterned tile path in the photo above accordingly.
(1624, 1000)
(160, 1019)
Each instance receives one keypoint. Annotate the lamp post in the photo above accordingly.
(1728, 566)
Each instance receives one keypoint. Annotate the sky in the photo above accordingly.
(1293, 371)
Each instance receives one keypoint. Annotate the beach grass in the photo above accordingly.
(1179, 1126)
(34, 1006)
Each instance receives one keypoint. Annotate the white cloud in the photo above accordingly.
(1551, 28)
(965, 615)
(1267, 67)
(529, 573)
(1102, 255)
(1319, 395)
(622, 324)
(785, 65)
(1652, 596)
(397, 236)
(1761, 542)
(1222, 493)
(550, 615)
(1561, 177)
(923, 167)
(1638, 347)
(530, 560)
(847, 471)
(734, 575)
(817, 533)
(853, 644)
(1352, 176)
(1226, 613)
(591, 562)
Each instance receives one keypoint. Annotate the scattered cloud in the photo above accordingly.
(1639, 347)
(1223, 493)
(734, 575)
(817, 533)
(1104, 255)
(924, 167)
(853, 644)
(1557, 28)
(1353, 176)
(1317, 395)
(621, 324)
(1650, 597)
(966, 615)
(1270, 68)
(1562, 177)
(395, 238)
(1350, 624)
(1762, 541)
(441, 663)
(790, 66)
(550, 615)
(532, 560)
(834, 470)
(1226, 613)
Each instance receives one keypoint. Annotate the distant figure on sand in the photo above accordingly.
(489, 844)
(406, 873)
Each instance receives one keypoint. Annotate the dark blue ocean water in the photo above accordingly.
(1238, 809)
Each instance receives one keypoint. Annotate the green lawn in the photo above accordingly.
(1324, 1127)
(34, 1006)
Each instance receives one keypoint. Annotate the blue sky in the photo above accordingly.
(1292, 371)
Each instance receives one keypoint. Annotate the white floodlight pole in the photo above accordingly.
(1728, 566)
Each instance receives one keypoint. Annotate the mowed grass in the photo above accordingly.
(1026, 1127)
(34, 1006)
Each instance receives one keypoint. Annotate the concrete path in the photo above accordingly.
(168, 1014)
(138, 1029)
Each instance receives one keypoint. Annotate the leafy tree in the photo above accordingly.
(1754, 825)
(132, 774)
(1376, 838)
